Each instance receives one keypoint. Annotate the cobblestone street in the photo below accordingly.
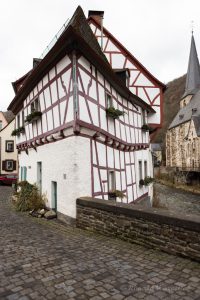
(178, 200)
(42, 259)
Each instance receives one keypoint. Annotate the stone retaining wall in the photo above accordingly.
(163, 230)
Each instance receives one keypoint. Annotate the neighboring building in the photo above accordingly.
(71, 146)
(182, 140)
(8, 152)
(157, 154)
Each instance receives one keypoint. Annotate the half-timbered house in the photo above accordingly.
(86, 131)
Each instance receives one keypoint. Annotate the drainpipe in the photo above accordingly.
(75, 91)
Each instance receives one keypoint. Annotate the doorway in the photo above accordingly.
(54, 195)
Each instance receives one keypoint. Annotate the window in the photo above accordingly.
(109, 102)
(9, 165)
(111, 181)
(140, 170)
(35, 105)
(143, 119)
(9, 146)
(18, 120)
(1, 124)
(145, 169)
(23, 118)
(23, 173)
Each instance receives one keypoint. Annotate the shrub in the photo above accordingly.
(29, 197)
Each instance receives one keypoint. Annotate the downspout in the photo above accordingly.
(76, 128)
(102, 32)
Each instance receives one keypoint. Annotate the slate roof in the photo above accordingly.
(77, 36)
(193, 72)
(192, 87)
(156, 147)
(187, 112)
(8, 115)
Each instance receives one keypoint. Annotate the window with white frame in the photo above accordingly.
(140, 169)
(9, 165)
(9, 146)
(111, 180)
(35, 105)
(143, 117)
(109, 101)
(145, 169)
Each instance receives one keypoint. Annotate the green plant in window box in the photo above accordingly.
(148, 180)
(117, 194)
(114, 112)
(34, 116)
(17, 131)
(141, 182)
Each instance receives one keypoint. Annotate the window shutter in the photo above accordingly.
(14, 165)
(3, 165)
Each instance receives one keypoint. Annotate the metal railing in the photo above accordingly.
(54, 40)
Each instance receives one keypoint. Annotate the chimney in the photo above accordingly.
(97, 15)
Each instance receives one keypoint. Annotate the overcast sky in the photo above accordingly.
(157, 32)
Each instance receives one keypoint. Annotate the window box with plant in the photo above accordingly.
(18, 131)
(33, 116)
(116, 194)
(114, 112)
(146, 181)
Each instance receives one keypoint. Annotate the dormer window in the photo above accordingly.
(123, 74)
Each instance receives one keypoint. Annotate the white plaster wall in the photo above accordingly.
(69, 156)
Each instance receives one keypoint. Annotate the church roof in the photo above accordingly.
(193, 72)
(192, 109)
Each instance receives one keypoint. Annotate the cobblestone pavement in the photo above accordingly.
(178, 200)
(46, 260)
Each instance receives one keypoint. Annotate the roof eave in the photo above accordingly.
(68, 41)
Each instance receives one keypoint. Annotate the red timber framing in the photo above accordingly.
(141, 82)
(71, 91)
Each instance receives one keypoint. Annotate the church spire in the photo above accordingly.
(193, 72)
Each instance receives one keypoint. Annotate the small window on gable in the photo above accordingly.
(9, 146)
(1, 124)
(109, 102)
(35, 105)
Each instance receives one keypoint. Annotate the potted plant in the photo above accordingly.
(114, 112)
(145, 127)
(33, 116)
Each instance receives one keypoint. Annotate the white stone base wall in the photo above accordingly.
(66, 162)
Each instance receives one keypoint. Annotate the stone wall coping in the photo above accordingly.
(190, 222)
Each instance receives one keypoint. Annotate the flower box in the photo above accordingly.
(17, 131)
(34, 116)
(114, 112)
